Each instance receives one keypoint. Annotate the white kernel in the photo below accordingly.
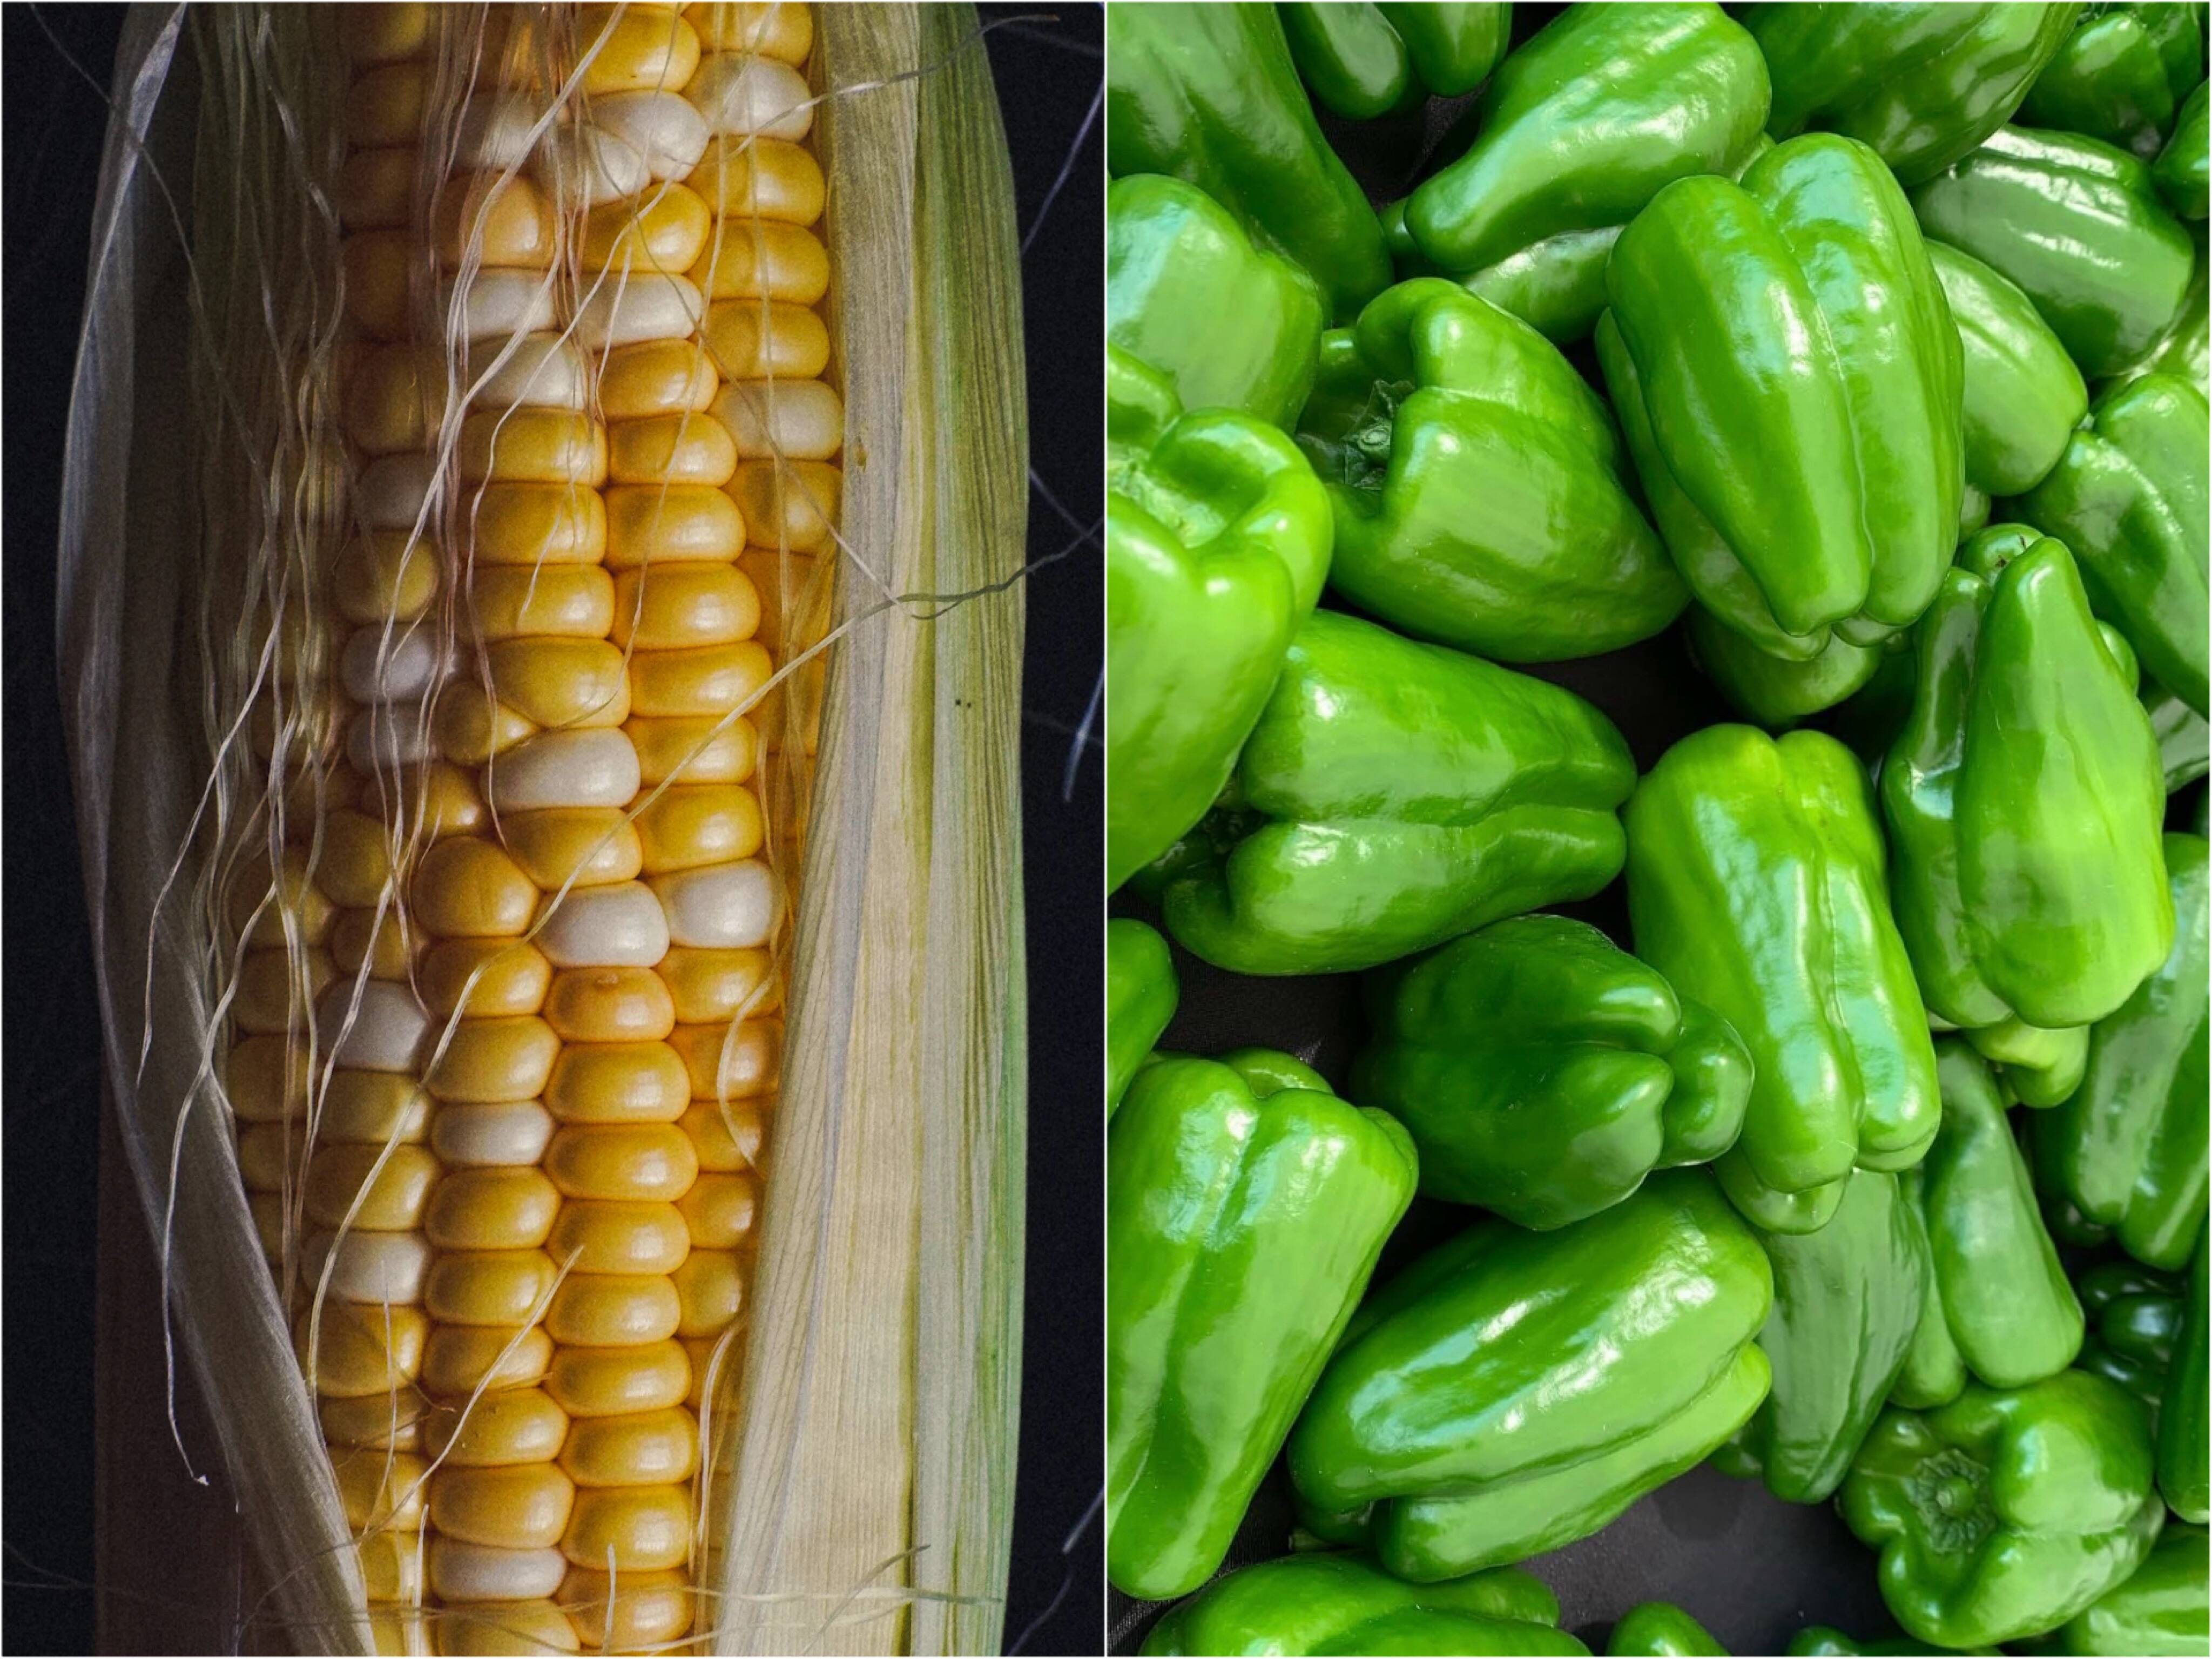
(628, 308)
(480, 1572)
(384, 1033)
(372, 1268)
(593, 768)
(402, 665)
(619, 925)
(738, 93)
(507, 1132)
(724, 906)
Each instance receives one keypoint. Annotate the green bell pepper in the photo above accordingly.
(2129, 1148)
(2129, 498)
(1362, 60)
(2120, 76)
(1544, 1074)
(1755, 885)
(2184, 740)
(1208, 94)
(2136, 1316)
(1923, 84)
(1775, 691)
(2024, 799)
(2023, 395)
(1789, 380)
(1660, 1628)
(2078, 226)
(2180, 167)
(1934, 1372)
(1827, 1639)
(2162, 1607)
(1847, 1300)
(1140, 1000)
(1477, 484)
(1340, 1603)
(2037, 1067)
(1578, 130)
(2010, 1312)
(1217, 542)
(1395, 795)
(1511, 1391)
(2006, 1512)
(2184, 1437)
(1231, 326)
(2185, 347)
(1245, 1208)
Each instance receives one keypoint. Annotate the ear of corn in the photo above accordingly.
(524, 465)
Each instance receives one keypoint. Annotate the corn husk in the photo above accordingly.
(864, 1477)
(873, 1487)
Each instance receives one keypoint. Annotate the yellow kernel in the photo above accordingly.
(612, 1237)
(473, 725)
(574, 601)
(371, 1107)
(608, 1007)
(506, 221)
(494, 1208)
(710, 1291)
(679, 448)
(639, 1528)
(622, 1161)
(489, 1287)
(519, 1507)
(275, 991)
(689, 826)
(630, 1611)
(589, 846)
(385, 1422)
(708, 679)
(266, 1079)
(663, 230)
(763, 179)
(788, 343)
(392, 1200)
(730, 1062)
(268, 1154)
(384, 33)
(612, 1311)
(376, 188)
(461, 1357)
(706, 748)
(788, 504)
(634, 48)
(720, 1209)
(384, 107)
(659, 377)
(533, 445)
(388, 574)
(530, 524)
(495, 1060)
(379, 267)
(394, 398)
(666, 606)
(495, 977)
(476, 1628)
(560, 682)
(647, 1448)
(380, 1489)
(503, 1427)
(469, 888)
(359, 1347)
(650, 524)
(378, 942)
(619, 1083)
(604, 1382)
(727, 1138)
(714, 987)
(269, 911)
(773, 28)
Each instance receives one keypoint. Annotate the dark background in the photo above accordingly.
(1046, 62)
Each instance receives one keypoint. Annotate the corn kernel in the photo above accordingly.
(371, 1107)
(378, 1422)
(517, 1507)
(533, 445)
(275, 991)
(679, 449)
(621, 1160)
(489, 1287)
(748, 341)
(720, 1209)
(726, 1137)
(710, 1291)
(506, 219)
(767, 179)
(503, 1427)
(604, 1237)
(360, 1349)
(701, 749)
(392, 1200)
(494, 1208)
(573, 601)
(652, 524)
(665, 230)
(495, 977)
(619, 1083)
(505, 1627)
(380, 1489)
(469, 888)
(788, 504)
(583, 846)
(661, 377)
(646, 1449)
(462, 1573)
(671, 607)
(639, 1528)
(609, 1006)
(605, 1381)
(461, 1358)
(528, 524)
(730, 1062)
(630, 1611)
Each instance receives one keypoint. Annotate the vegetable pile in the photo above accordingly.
(1851, 359)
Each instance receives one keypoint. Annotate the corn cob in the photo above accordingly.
(507, 1016)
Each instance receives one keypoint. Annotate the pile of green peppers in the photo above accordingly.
(1846, 364)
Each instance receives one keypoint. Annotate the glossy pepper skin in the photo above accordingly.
(2006, 1512)
(1755, 884)
(2023, 395)
(1788, 378)
(2128, 497)
(2136, 1315)
(1934, 1373)
(1777, 692)
(1208, 94)
(1846, 1302)
(1923, 84)
(1231, 326)
(2077, 225)
(1140, 999)
(1246, 1204)
(2005, 1298)
(1361, 61)
(2023, 799)
(1543, 1073)
(2129, 1148)
(2184, 740)
(2162, 1607)
(1477, 483)
(1217, 542)
(2180, 167)
(1577, 131)
(1660, 1627)
(1339, 1602)
(2121, 75)
(2185, 1426)
(2036, 1066)
(1395, 795)
(1615, 1353)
